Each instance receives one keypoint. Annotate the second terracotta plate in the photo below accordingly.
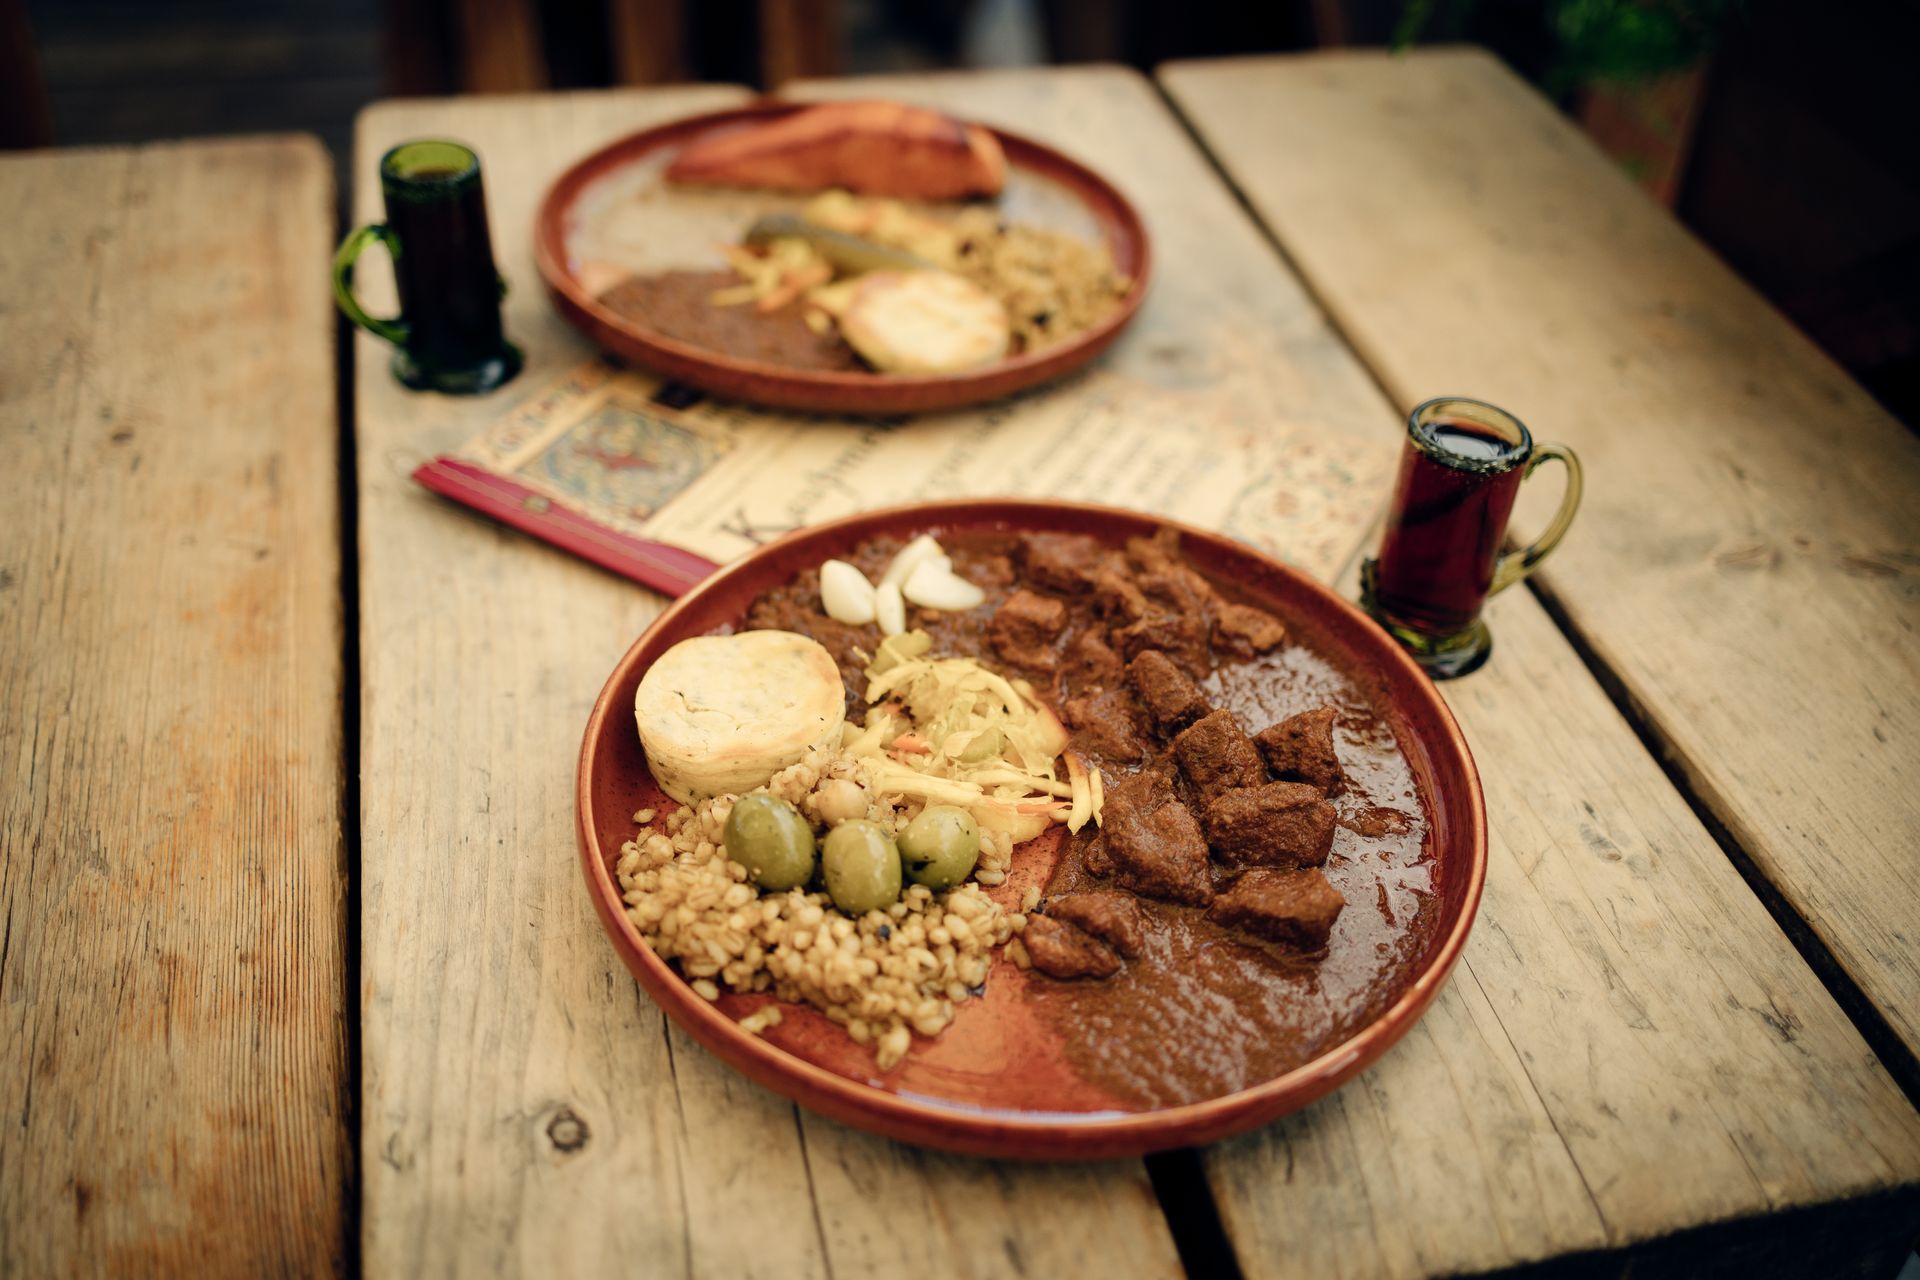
(998, 1082)
(615, 207)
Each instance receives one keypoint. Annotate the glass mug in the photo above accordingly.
(1440, 557)
(447, 336)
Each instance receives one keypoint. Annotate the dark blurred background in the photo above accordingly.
(1782, 132)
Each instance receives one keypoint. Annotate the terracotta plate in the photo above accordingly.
(997, 1081)
(614, 207)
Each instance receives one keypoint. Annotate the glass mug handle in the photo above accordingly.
(394, 330)
(1516, 565)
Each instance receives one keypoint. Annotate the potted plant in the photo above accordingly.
(1633, 72)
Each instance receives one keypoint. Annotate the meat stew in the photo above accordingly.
(1261, 881)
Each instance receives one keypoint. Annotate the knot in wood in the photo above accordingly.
(567, 1131)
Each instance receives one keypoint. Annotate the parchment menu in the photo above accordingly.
(660, 462)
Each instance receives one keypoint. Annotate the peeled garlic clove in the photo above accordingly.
(909, 558)
(932, 587)
(890, 609)
(846, 593)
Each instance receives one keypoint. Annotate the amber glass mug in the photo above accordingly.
(1440, 558)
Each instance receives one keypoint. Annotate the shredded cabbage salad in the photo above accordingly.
(949, 731)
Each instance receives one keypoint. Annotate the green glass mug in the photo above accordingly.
(448, 336)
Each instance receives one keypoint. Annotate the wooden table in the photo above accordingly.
(173, 990)
(1680, 1030)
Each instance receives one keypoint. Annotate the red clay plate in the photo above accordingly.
(993, 1083)
(1098, 203)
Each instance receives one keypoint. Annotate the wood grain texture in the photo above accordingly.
(527, 1109)
(799, 38)
(171, 859)
(501, 49)
(647, 41)
(1748, 560)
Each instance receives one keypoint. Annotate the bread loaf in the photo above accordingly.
(872, 148)
(720, 714)
(924, 322)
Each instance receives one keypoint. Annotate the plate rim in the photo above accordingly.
(965, 1129)
(781, 386)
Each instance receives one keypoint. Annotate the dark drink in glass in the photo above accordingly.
(448, 335)
(1440, 557)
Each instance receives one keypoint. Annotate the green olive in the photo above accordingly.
(940, 846)
(768, 837)
(862, 867)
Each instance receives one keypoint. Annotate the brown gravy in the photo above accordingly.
(678, 305)
(1204, 1010)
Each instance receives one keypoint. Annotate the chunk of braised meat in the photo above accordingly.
(1108, 724)
(1024, 628)
(1138, 792)
(1245, 629)
(1156, 553)
(1301, 747)
(1063, 562)
(1181, 636)
(1217, 756)
(989, 571)
(1091, 664)
(1116, 594)
(1164, 608)
(1296, 907)
(1094, 857)
(1154, 842)
(1180, 589)
(1114, 918)
(1172, 698)
(1164, 574)
(1061, 950)
(1283, 824)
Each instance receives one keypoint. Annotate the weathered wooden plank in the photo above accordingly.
(527, 1109)
(1746, 563)
(171, 864)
